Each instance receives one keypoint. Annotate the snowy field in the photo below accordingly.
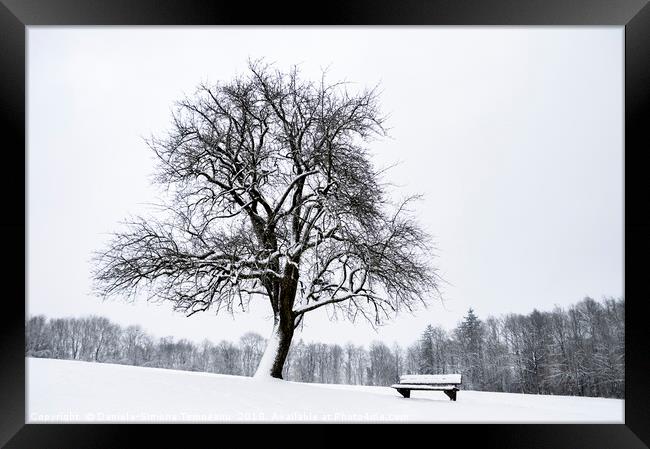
(72, 391)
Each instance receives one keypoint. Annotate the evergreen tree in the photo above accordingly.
(470, 338)
(426, 360)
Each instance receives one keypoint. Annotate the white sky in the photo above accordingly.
(513, 135)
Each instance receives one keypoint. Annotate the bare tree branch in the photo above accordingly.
(272, 193)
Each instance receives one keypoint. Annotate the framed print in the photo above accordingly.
(425, 214)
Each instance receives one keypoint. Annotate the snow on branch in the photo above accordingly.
(272, 191)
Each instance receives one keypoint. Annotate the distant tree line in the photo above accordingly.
(97, 339)
(578, 351)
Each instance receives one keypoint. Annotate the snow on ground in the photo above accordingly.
(72, 391)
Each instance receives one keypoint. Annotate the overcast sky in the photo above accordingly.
(513, 135)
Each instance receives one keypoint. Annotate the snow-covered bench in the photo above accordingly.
(441, 382)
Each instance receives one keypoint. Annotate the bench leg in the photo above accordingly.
(451, 394)
(404, 392)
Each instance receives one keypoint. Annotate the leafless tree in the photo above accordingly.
(133, 341)
(272, 194)
(251, 346)
(36, 338)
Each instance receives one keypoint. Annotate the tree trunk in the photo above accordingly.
(277, 349)
(279, 343)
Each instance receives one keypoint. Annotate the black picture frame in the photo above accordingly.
(16, 15)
